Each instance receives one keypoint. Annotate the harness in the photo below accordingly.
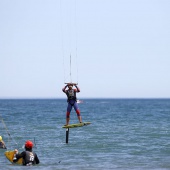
(71, 96)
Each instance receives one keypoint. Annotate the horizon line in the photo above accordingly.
(60, 98)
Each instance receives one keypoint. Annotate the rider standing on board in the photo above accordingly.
(72, 101)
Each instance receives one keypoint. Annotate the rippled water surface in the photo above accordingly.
(124, 134)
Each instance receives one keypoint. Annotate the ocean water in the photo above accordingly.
(124, 133)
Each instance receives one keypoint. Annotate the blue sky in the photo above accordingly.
(119, 49)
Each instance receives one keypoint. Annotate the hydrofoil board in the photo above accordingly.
(10, 155)
(77, 125)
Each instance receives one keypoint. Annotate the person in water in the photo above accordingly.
(29, 157)
(72, 101)
(2, 143)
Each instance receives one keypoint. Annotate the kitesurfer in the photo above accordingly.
(29, 157)
(72, 101)
(2, 143)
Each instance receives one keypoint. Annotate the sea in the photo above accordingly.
(124, 134)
